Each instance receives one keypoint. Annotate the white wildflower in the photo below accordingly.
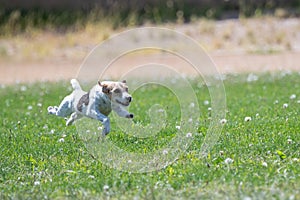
(264, 164)
(29, 107)
(61, 140)
(23, 88)
(228, 161)
(223, 121)
(293, 96)
(52, 131)
(188, 135)
(161, 110)
(177, 127)
(276, 102)
(206, 102)
(192, 105)
(209, 108)
(39, 104)
(252, 77)
(247, 198)
(289, 141)
(247, 119)
(37, 183)
(285, 105)
(105, 187)
(298, 101)
(91, 176)
(165, 152)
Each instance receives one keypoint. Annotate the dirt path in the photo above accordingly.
(12, 72)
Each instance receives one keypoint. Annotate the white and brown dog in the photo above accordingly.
(95, 104)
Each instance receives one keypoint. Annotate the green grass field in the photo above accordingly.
(41, 158)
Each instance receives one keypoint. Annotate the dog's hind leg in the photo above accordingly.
(72, 118)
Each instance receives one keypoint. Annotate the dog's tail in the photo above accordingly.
(75, 84)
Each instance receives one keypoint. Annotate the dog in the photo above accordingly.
(96, 104)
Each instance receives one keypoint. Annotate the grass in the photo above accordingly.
(42, 159)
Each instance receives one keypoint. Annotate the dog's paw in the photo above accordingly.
(52, 110)
(130, 116)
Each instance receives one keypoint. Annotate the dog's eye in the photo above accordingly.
(117, 90)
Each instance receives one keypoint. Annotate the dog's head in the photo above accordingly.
(117, 92)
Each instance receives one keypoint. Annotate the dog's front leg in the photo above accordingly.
(105, 121)
(122, 112)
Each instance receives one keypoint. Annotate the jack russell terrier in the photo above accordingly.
(96, 104)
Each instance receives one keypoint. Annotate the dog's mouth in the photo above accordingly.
(124, 104)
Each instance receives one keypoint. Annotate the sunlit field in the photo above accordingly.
(256, 157)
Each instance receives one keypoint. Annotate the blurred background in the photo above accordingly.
(43, 40)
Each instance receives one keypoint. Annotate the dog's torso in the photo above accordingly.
(86, 103)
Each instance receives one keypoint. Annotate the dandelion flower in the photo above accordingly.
(165, 152)
(285, 105)
(61, 140)
(206, 102)
(192, 105)
(188, 135)
(247, 119)
(37, 183)
(23, 88)
(264, 164)
(228, 161)
(91, 176)
(105, 187)
(293, 96)
(252, 77)
(223, 121)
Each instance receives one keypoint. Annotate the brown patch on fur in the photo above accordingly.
(83, 100)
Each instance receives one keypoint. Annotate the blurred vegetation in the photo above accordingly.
(19, 18)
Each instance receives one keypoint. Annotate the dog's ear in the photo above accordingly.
(99, 83)
(105, 89)
(124, 81)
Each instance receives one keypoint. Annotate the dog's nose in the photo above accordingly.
(129, 99)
